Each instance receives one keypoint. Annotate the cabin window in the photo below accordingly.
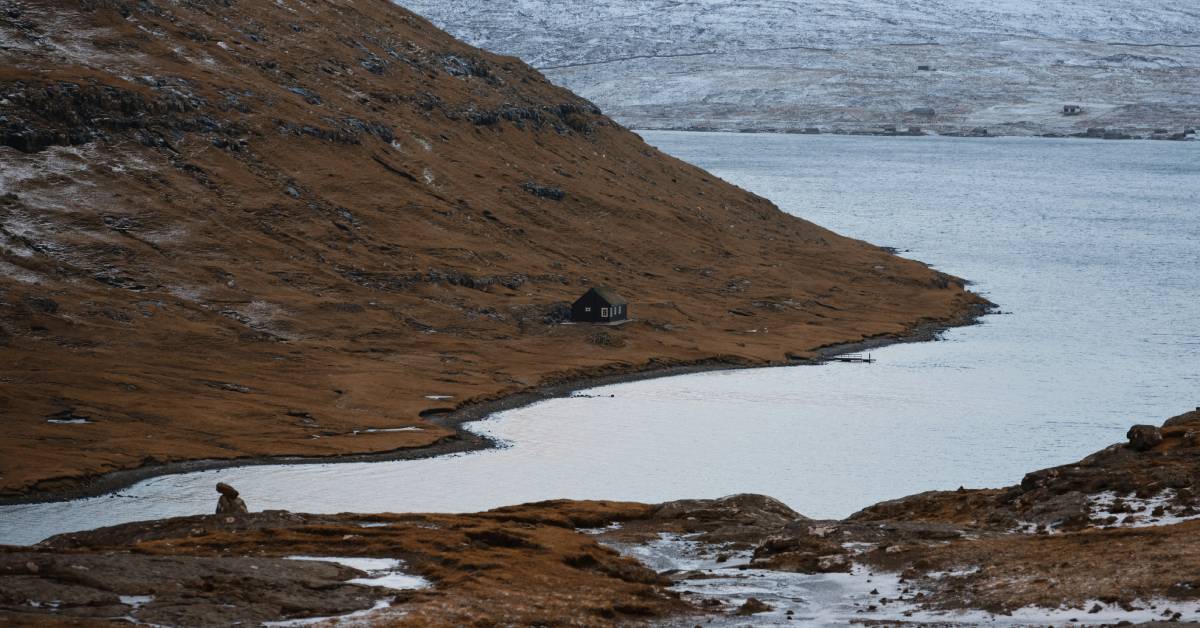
(604, 312)
(587, 309)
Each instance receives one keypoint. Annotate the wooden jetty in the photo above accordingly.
(852, 357)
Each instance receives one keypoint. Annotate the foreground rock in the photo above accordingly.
(518, 566)
(229, 503)
(1105, 537)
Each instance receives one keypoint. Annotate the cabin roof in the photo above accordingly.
(610, 295)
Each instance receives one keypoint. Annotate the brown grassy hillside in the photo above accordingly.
(252, 228)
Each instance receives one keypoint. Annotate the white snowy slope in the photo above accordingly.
(1006, 65)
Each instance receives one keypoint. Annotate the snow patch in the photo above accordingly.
(349, 619)
(14, 272)
(382, 430)
(381, 572)
(1132, 511)
(136, 601)
(860, 596)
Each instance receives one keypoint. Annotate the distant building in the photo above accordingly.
(600, 305)
(1072, 110)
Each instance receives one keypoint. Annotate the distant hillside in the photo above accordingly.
(784, 64)
(237, 229)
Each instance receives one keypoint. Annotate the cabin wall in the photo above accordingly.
(593, 309)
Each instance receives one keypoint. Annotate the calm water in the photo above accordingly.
(1092, 248)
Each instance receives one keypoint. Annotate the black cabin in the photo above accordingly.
(600, 305)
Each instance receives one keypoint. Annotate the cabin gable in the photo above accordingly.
(599, 305)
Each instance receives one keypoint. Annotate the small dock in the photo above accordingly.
(853, 357)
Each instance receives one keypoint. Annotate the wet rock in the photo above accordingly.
(1069, 510)
(743, 518)
(801, 551)
(1144, 437)
(753, 606)
(229, 503)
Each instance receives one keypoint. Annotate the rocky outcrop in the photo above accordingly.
(736, 518)
(1144, 437)
(518, 566)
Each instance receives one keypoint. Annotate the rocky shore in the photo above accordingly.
(1110, 539)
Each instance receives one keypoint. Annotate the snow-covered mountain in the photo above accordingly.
(1008, 65)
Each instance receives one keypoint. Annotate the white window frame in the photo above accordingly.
(603, 312)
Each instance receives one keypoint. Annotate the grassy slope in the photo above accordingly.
(295, 220)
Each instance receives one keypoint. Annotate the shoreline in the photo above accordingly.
(466, 441)
(917, 131)
(941, 557)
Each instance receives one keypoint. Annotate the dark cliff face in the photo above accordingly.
(235, 229)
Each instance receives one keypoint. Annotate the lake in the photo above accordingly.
(1090, 248)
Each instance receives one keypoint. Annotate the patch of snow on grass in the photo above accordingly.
(381, 430)
(1132, 511)
(12, 271)
(136, 601)
(349, 619)
(381, 572)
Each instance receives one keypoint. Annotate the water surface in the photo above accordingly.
(1091, 248)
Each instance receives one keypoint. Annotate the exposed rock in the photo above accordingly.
(544, 191)
(229, 503)
(736, 518)
(753, 606)
(518, 566)
(802, 549)
(606, 339)
(1144, 437)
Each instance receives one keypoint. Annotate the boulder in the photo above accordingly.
(1144, 437)
(230, 503)
(754, 606)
